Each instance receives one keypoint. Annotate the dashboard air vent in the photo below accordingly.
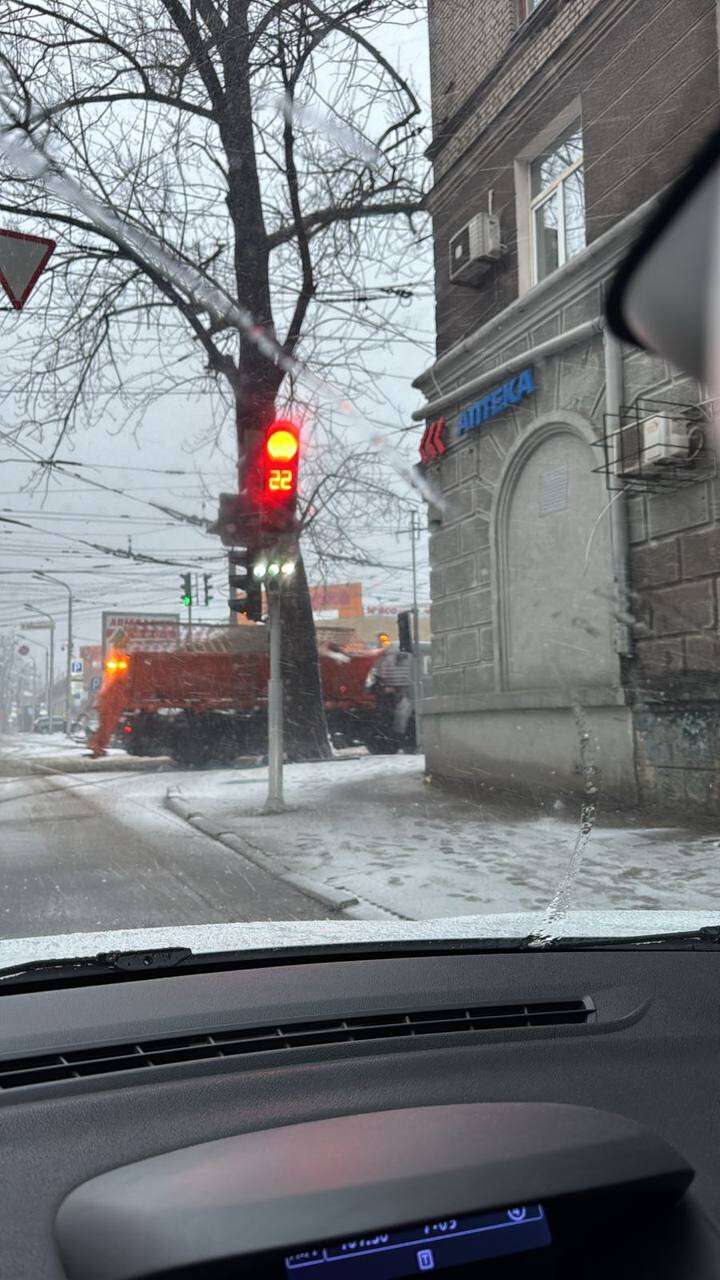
(17, 1073)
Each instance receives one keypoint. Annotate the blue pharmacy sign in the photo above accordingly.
(496, 401)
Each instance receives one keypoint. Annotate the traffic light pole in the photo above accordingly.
(274, 803)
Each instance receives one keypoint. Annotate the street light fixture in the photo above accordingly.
(48, 577)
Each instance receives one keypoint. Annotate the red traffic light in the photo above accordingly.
(281, 455)
(264, 508)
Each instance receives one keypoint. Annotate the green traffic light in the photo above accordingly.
(187, 600)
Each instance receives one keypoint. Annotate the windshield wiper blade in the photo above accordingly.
(705, 938)
(120, 964)
(105, 962)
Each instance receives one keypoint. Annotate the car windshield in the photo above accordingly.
(357, 582)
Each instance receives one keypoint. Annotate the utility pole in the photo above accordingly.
(261, 518)
(40, 573)
(51, 663)
(417, 668)
(274, 803)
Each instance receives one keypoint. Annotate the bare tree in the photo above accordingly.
(270, 147)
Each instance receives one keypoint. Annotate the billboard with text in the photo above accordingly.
(131, 631)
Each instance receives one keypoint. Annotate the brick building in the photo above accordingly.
(575, 609)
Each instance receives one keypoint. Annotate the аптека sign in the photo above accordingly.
(496, 401)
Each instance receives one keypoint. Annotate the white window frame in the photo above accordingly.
(526, 9)
(527, 268)
(544, 197)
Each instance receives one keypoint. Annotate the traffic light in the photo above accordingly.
(265, 508)
(186, 589)
(404, 633)
(238, 521)
(280, 459)
(207, 581)
(242, 578)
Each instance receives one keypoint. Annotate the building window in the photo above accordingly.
(526, 7)
(557, 203)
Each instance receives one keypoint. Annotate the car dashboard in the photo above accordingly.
(367, 1117)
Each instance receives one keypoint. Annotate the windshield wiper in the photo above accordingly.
(105, 962)
(703, 939)
(122, 965)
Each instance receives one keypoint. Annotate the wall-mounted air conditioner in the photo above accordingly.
(664, 439)
(475, 247)
(653, 443)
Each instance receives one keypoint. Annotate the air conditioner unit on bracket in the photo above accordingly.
(665, 439)
(653, 443)
(475, 247)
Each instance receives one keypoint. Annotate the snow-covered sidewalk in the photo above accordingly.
(373, 828)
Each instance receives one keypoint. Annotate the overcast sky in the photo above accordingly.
(161, 462)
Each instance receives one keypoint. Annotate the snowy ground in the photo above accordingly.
(57, 748)
(369, 827)
(374, 827)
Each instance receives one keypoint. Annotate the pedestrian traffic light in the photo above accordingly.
(207, 581)
(404, 632)
(242, 578)
(186, 589)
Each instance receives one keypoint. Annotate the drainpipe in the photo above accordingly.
(619, 539)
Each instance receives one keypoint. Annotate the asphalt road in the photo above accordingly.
(84, 847)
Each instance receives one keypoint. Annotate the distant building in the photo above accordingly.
(333, 600)
(556, 124)
(340, 615)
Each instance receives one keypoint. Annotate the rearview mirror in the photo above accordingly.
(665, 294)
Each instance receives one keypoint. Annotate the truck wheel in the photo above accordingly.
(187, 750)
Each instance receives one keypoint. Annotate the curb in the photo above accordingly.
(339, 900)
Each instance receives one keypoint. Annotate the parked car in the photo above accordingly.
(42, 725)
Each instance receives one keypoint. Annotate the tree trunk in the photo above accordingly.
(258, 382)
(306, 736)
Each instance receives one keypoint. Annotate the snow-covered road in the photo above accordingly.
(92, 844)
(89, 845)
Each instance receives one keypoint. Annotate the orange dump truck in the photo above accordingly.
(198, 705)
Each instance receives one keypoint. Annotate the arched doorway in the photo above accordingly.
(554, 563)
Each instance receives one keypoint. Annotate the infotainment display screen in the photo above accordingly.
(427, 1247)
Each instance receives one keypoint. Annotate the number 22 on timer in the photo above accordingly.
(280, 479)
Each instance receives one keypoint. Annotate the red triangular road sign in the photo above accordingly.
(22, 260)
